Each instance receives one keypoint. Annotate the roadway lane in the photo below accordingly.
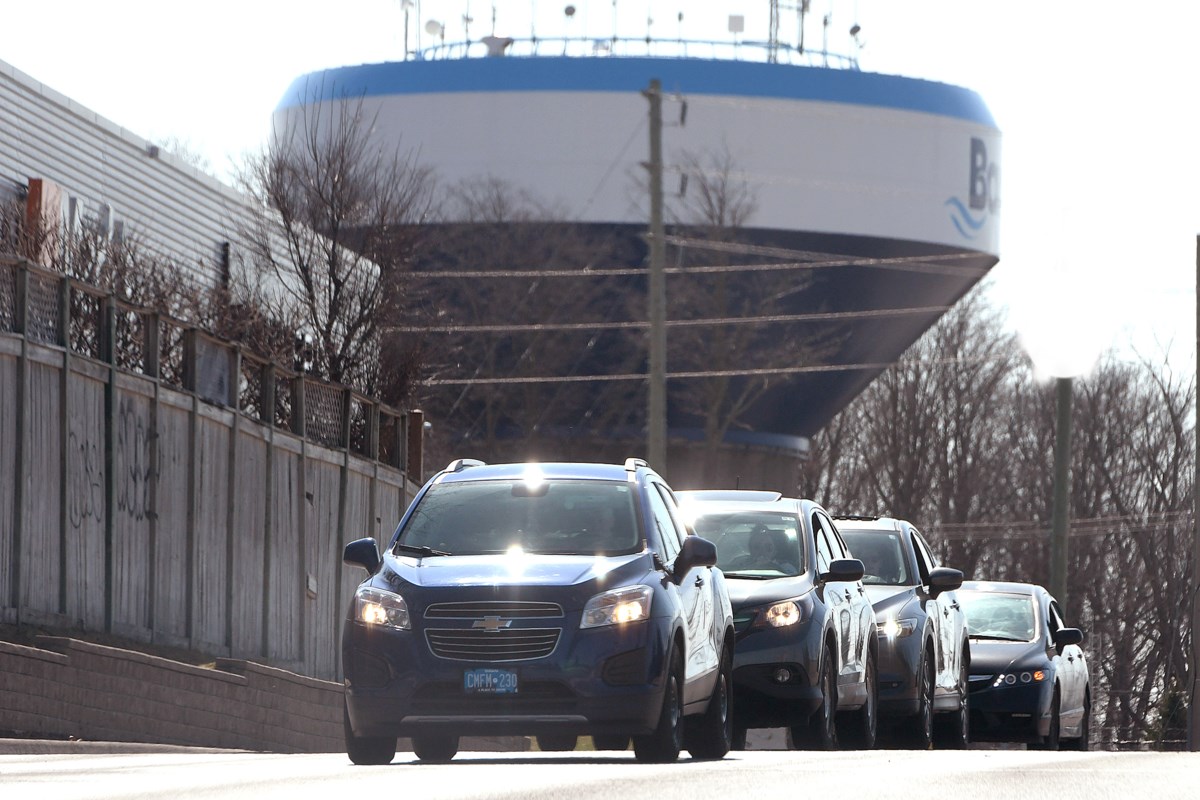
(762, 775)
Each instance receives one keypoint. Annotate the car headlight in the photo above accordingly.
(1015, 678)
(376, 607)
(618, 606)
(780, 615)
(894, 628)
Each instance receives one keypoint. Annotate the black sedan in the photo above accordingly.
(552, 600)
(923, 649)
(806, 655)
(1029, 676)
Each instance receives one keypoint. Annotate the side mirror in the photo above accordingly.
(362, 553)
(844, 569)
(944, 579)
(1067, 636)
(696, 552)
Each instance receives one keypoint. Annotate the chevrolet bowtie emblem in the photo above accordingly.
(491, 623)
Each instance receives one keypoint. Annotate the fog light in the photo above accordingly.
(781, 675)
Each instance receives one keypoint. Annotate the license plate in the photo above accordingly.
(490, 681)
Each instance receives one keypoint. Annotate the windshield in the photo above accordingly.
(758, 544)
(1003, 617)
(558, 517)
(882, 554)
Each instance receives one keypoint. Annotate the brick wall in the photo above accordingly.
(70, 688)
(67, 687)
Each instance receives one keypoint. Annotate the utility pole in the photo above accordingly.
(656, 412)
(1194, 703)
(1062, 492)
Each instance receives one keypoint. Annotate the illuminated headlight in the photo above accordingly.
(616, 607)
(781, 615)
(1013, 678)
(894, 628)
(377, 607)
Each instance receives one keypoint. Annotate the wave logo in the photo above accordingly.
(983, 195)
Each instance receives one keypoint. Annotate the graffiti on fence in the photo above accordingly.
(86, 495)
(135, 482)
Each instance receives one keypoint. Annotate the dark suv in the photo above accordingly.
(553, 600)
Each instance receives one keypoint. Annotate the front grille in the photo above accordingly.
(509, 609)
(520, 644)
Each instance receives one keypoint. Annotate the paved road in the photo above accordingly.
(761, 775)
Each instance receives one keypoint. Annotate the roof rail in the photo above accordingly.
(632, 464)
(459, 464)
(857, 517)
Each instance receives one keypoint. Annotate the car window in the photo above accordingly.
(754, 544)
(560, 517)
(824, 549)
(999, 616)
(667, 532)
(1054, 619)
(925, 560)
(883, 555)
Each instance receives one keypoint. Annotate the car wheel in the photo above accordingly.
(1051, 741)
(367, 750)
(1085, 724)
(435, 748)
(859, 728)
(711, 736)
(920, 734)
(953, 731)
(821, 731)
(664, 744)
(556, 742)
(738, 742)
(610, 741)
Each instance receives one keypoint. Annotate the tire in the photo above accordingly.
(1052, 740)
(367, 750)
(920, 727)
(820, 733)
(610, 741)
(953, 731)
(556, 742)
(663, 745)
(738, 742)
(859, 729)
(437, 748)
(1085, 725)
(711, 735)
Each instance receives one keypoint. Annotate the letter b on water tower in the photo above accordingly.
(985, 182)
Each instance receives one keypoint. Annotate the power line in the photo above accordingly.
(681, 323)
(727, 373)
(926, 264)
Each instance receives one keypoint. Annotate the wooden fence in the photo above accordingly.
(163, 485)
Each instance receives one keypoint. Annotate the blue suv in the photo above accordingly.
(552, 600)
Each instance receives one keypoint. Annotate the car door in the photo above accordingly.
(694, 596)
(861, 609)
(947, 619)
(1072, 667)
(842, 598)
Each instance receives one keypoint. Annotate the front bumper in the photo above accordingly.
(603, 680)
(761, 655)
(1019, 713)
(899, 660)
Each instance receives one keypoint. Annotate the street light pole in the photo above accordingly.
(656, 412)
(1062, 492)
(1194, 703)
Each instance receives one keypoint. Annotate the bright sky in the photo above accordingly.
(1095, 99)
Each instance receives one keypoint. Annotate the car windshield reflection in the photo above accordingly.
(532, 517)
(755, 545)
(882, 556)
(999, 617)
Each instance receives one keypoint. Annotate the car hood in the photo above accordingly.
(524, 570)
(744, 592)
(888, 598)
(993, 657)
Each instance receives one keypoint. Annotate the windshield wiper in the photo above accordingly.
(422, 550)
(750, 576)
(994, 638)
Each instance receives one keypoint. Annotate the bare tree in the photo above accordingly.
(334, 222)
